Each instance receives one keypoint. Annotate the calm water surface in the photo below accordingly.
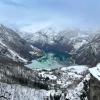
(51, 61)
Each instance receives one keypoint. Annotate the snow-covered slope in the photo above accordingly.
(7, 52)
(63, 84)
(13, 46)
(89, 54)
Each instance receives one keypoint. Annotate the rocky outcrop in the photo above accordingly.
(94, 89)
(95, 83)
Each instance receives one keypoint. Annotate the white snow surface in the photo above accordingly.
(51, 77)
(95, 71)
(79, 69)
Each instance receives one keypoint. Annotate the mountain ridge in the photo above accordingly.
(15, 47)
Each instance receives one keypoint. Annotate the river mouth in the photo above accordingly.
(51, 60)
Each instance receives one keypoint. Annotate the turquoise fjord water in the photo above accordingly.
(51, 61)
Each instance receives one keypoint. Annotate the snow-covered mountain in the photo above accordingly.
(63, 40)
(83, 45)
(89, 54)
(14, 47)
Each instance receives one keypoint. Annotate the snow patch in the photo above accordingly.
(76, 69)
(95, 71)
(44, 75)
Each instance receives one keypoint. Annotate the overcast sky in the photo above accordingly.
(35, 14)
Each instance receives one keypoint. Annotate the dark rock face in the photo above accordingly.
(85, 93)
(57, 47)
(94, 89)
